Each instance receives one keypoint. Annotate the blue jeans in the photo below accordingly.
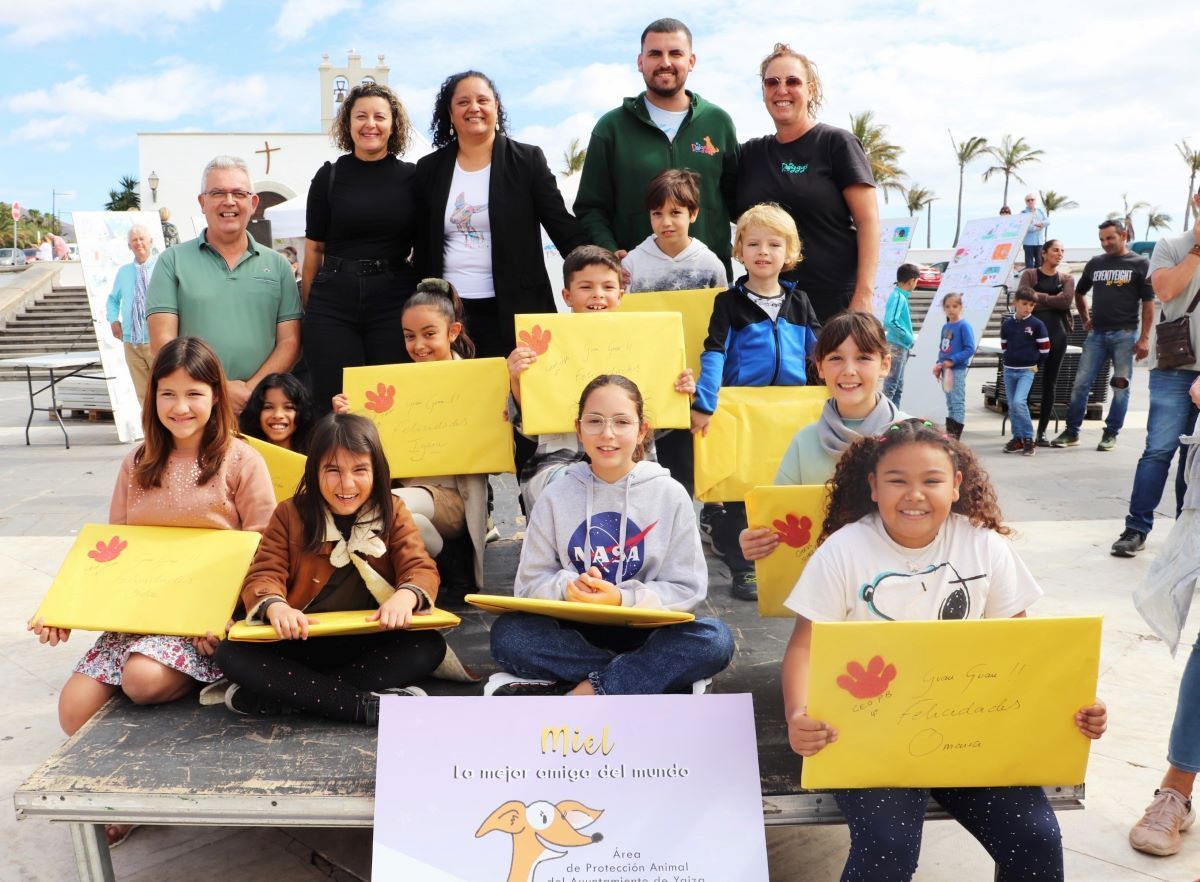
(1183, 750)
(893, 384)
(1101, 346)
(1033, 256)
(956, 398)
(1015, 824)
(1017, 383)
(617, 660)
(1172, 414)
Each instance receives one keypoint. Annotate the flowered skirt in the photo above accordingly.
(106, 659)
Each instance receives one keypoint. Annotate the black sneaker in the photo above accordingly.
(1041, 441)
(1108, 441)
(1014, 445)
(1131, 542)
(710, 516)
(745, 585)
(247, 703)
(534, 687)
(1030, 448)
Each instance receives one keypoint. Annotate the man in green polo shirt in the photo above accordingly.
(240, 296)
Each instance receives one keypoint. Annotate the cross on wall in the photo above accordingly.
(268, 150)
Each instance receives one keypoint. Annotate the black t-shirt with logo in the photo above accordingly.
(807, 177)
(1120, 285)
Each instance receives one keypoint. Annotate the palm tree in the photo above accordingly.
(1011, 155)
(1127, 217)
(1192, 159)
(1053, 202)
(1156, 219)
(883, 155)
(573, 158)
(917, 197)
(968, 151)
(125, 198)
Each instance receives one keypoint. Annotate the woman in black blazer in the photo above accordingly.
(482, 198)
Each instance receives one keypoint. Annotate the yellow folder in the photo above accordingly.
(979, 703)
(343, 623)
(286, 466)
(149, 580)
(695, 306)
(748, 436)
(585, 613)
(795, 513)
(437, 418)
(574, 349)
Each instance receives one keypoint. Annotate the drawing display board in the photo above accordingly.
(981, 266)
(748, 436)
(795, 513)
(695, 306)
(285, 466)
(573, 349)
(615, 788)
(103, 238)
(895, 238)
(149, 580)
(978, 703)
(437, 417)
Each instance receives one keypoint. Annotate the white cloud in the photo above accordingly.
(95, 18)
(298, 17)
(595, 88)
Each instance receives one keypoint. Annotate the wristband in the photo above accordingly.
(1195, 249)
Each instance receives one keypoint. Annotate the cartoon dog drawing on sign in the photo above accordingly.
(540, 831)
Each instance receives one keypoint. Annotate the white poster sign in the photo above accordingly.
(895, 238)
(103, 238)
(979, 271)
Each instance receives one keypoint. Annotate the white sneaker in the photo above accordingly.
(503, 678)
(1168, 815)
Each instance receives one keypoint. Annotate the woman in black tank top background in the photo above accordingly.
(1055, 293)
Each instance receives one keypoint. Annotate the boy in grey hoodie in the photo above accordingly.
(670, 260)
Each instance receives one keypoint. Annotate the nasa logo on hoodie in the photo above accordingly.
(607, 552)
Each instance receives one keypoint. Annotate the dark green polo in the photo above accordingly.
(234, 310)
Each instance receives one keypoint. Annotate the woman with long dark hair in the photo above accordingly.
(1055, 293)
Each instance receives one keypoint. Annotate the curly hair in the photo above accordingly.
(441, 126)
(816, 94)
(850, 492)
(399, 137)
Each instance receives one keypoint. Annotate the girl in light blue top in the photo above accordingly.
(852, 355)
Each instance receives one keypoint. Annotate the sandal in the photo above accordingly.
(118, 833)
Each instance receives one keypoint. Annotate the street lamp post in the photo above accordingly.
(54, 194)
(153, 182)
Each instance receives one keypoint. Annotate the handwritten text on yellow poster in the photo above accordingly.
(979, 703)
(748, 436)
(795, 513)
(285, 466)
(574, 349)
(437, 418)
(149, 580)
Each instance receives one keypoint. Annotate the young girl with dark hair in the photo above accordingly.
(911, 508)
(280, 412)
(341, 543)
(619, 531)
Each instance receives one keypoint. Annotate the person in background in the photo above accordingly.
(1035, 235)
(1026, 343)
(125, 310)
(1055, 292)
(897, 323)
(170, 231)
(955, 351)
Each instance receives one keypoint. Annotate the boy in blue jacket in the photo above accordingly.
(762, 332)
(1025, 343)
(897, 325)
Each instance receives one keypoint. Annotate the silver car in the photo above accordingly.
(12, 257)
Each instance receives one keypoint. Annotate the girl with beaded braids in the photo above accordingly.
(914, 532)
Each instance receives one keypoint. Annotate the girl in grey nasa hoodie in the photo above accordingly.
(641, 534)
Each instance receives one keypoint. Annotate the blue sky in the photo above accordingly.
(1105, 89)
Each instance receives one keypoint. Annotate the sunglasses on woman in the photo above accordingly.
(792, 82)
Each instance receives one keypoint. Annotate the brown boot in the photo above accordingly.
(954, 427)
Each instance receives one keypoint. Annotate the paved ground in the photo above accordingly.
(1067, 506)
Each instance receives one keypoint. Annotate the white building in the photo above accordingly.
(281, 163)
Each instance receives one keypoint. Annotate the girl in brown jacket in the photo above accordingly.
(343, 542)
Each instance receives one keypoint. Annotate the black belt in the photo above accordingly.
(360, 267)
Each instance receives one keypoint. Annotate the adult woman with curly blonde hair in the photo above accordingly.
(821, 175)
(362, 219)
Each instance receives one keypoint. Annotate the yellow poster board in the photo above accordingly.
(439, 417)
(748, 436)
(795, 513)
(343, 623)
(149, 580)
(574, 349)
(695, 306)
(286, 466)
(979, 703)
(586, 613)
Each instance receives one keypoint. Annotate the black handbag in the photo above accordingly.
(1174, 340)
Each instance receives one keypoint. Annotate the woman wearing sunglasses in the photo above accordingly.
(821, 176)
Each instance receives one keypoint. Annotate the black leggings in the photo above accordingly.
(1058, 348)
(328, 676)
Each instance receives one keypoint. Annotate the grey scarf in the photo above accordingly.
(836, 436)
